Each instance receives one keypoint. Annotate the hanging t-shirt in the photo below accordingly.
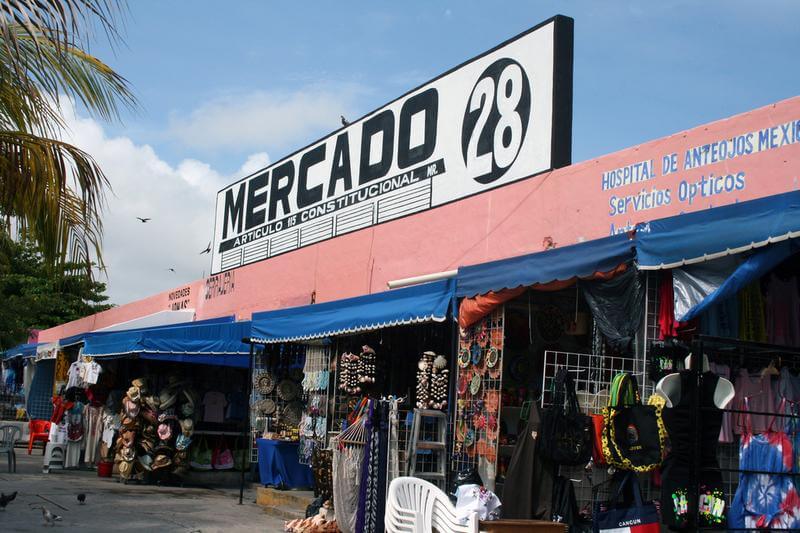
(74, 375)
(92, 372)
(214, 407)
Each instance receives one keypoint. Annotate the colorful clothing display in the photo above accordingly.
(758, 392)
(764, 501)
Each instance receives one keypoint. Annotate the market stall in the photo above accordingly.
(379, 357)
(157, 402)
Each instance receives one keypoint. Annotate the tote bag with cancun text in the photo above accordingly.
(639, 517)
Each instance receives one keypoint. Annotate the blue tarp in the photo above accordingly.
(217, 344)
(21, 350)
(81, 337)
(420, 303)
(578, 260)
(755, 266)
(713, 233)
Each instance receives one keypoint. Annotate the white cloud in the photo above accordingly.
(266, 119)
(179, 199)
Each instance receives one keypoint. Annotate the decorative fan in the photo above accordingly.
(287, 390)
(265, 383)
(476, 352)
(463, 358)
(492, 357)
(292, 413)
(475, 384)
(267, 406)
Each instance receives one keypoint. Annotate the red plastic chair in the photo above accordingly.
(40, 431)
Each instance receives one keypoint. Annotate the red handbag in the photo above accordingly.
(597, 442)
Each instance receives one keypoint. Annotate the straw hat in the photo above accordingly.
(187, 426)
(168, 397)
(161, 461)
(125, 469)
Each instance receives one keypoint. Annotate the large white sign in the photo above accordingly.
(498, 118)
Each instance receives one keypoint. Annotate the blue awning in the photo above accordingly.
(215, 344)
(713, 233)
(81, 337)
(559, 264)
(750, 270)
(421, 303)
(21, 350)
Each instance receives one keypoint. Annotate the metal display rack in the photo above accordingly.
(592, 375)
(736, 354)
(268, 358)
(471, 411)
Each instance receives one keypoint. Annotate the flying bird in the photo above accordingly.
(144, 220)
(345, 122)
(81, 498)
(207, 250)
(171, 269)
(50, 518)
(6, 499)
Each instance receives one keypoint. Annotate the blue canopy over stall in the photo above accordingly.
(559, 264)
(213, 344)
(420, 303)
(713, 233)
(21, 350)
(80, 338)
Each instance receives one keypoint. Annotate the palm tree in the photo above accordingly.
(54, 191)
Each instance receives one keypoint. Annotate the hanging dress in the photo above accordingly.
(678, 505)
(765, 501)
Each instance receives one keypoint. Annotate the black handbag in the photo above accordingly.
(565, 507)
(566, 433)
(634, 436)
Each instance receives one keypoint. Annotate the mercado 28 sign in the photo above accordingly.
(498, 118)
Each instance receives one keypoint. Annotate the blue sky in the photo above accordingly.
(642, 69)
(224, 90)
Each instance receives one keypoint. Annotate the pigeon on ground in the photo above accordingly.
(144, 220)
(345, 122)
(50, 518)
(5, 500)
(81, 498)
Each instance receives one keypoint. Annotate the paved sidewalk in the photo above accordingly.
(113, 506)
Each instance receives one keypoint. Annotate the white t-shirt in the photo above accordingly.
(214, 403)
(92, 372)
(74, 375)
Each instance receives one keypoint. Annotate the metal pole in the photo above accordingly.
(247, 440)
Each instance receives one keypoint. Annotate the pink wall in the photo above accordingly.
(569, 205)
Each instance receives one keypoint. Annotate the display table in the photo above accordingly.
(278, 465)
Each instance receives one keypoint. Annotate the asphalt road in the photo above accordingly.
(112, 506)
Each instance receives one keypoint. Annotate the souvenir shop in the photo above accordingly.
(361, 367)
(662, 392)
(158, 405)
(12, 386)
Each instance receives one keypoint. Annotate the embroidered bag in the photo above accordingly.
(633, 435)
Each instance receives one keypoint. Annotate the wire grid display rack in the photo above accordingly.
(269, 358)
(478, 397)
(592, 375)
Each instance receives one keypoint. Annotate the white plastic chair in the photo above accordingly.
(417, 506)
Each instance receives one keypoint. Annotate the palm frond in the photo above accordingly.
(55, 190)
